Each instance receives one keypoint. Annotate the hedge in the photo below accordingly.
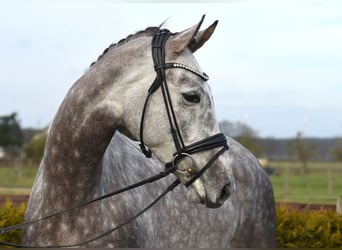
(11, 215)
(295, 228)
(308, 229)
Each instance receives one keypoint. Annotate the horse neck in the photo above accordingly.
(81, 131)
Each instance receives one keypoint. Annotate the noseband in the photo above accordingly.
(182, 150)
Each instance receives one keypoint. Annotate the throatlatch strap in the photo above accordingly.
(158, 54)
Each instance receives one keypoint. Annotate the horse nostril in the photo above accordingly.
(225, 192)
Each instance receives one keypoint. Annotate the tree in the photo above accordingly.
(242, 133)
(228, 128)
(270, 147)
(11, 139)
(34, 149)
(11, 135)
(336, 151)
(10, 131)
(301, 150)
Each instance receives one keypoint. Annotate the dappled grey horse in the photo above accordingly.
(83, 160)
(246, 219)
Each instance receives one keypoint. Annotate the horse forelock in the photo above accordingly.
(149, 31)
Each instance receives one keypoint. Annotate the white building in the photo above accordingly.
(2, 152)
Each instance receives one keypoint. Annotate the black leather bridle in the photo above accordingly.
(218, 140)
(182, 150)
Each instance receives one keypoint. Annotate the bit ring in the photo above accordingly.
(189, 170)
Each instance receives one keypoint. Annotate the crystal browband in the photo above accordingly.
(203, 75)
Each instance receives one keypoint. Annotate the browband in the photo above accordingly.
(203, 75)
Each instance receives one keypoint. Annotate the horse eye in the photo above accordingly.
(193, 98)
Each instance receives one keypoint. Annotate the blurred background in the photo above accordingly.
(274, 67)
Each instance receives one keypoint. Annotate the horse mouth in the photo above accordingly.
(199, 196)
(224, 195)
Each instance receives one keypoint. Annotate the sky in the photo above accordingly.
(275, 65)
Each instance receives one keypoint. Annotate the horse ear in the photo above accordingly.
(181, 40)
(201, 37)
(191, 38)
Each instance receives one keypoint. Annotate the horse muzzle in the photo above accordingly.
(211, 187)
(211, 199)
(220, 198)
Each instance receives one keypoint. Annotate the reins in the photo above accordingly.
(182, 150)
(169, 169)
(169, 189)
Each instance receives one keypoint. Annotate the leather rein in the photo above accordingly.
(182, 150)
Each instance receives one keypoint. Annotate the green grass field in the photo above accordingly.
(321, 184)
(16, 182)
(290, 184)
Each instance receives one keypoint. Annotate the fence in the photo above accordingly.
(319, 182)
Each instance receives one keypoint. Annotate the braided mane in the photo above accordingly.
(148, 31)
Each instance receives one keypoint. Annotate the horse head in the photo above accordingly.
(191, 102)
(180, 114)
